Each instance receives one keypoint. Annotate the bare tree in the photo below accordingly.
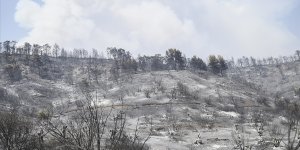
(91, 127)
(15, 132)
(293, 118)
(55, 50)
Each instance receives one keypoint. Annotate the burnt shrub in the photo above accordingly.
(16, 132)
(7, 98)
(14, 72)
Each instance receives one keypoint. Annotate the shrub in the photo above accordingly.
(16, 132)
(182, 89)
(44, 115)
(280, 105)
(208, 101)
(147, 93)
(8, 98)
(159, 86)
(263, 101)
(14, 72)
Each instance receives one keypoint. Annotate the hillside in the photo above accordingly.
(175, 109)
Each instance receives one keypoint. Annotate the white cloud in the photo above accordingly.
(26, 17)
(201, 27)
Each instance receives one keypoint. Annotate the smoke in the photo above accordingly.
(200, 27)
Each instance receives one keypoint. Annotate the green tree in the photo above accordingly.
(123, 59)
(174, 59)
(217, 64)
(298, 54)
(222, 65)
(170, 58)
(214, 64)
(197, 63)
(157, 62)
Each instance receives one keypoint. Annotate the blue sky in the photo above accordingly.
(9, 29)
(292, 20)
(201, 27)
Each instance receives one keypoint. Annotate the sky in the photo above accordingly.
(232, 28)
